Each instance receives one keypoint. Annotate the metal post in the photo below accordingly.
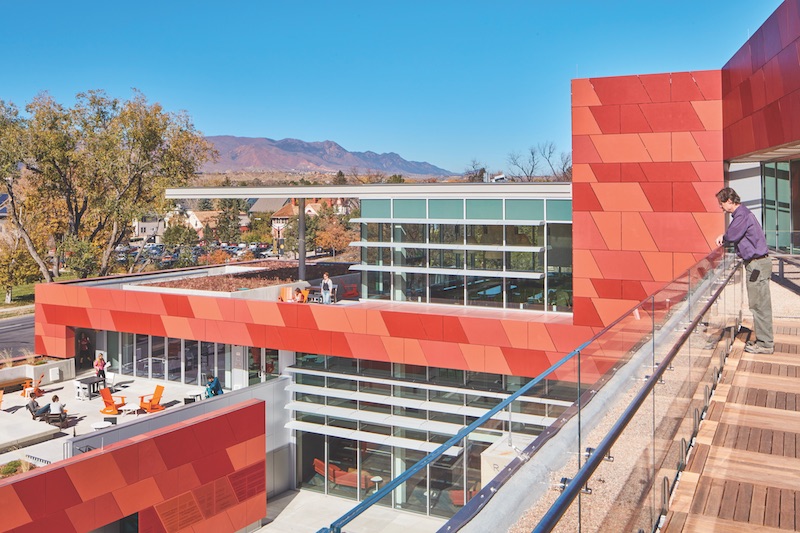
(301, 241)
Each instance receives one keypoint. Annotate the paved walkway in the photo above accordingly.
(307, 511)
(744, 473)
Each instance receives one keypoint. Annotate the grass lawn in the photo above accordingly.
(23, 294)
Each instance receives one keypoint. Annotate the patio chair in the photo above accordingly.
(35, 388)
(112, 403)
(151, 402)
(26, 386)
(111, 377)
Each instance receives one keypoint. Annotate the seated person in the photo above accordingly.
(213, 387)
(299, 297)
(33, 407)
(57, 408)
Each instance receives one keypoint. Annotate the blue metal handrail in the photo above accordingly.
(337, 525)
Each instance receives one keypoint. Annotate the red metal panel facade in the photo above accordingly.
(482, 341)
(647, 161)
(207, 474)
(761, 87)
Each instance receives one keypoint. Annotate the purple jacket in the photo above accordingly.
(746, 233)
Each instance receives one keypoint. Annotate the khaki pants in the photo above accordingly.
(760, 299)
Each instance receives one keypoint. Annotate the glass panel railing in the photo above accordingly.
(787, 242)
(627, 481)
(611, 428)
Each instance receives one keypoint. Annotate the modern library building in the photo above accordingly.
(466, 292)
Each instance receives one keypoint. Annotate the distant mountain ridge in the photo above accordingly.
(293, 155)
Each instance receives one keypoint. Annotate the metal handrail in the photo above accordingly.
(337, 525)
(571, 491)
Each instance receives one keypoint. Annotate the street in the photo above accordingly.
(16, 334)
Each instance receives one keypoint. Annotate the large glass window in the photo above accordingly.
(343, 476)
(446, 233)
(410, 287)
(416, 257)
(376, 208)
(207, 363)
(144, 357)
(224, 365)
(524, 235)
(174, 359)
(447, 289)
(522, 293)
(486, 292)
(525, 261)
(409, 208)
(559, 267)
(191, 362)
(409, 233)
(378, 285)
(446, 258)
(377, 232)
(377, 256)
(128, 349)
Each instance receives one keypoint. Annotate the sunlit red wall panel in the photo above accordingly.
(761, 87)
(504, 343)
(206, 474)
(647, 156)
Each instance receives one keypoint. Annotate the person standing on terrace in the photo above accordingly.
(746, 234)
(325, 288)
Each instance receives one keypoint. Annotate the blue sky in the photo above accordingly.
(438, 80)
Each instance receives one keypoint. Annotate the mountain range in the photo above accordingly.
(292, 155)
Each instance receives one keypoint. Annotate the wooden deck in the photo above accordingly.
(744, 473)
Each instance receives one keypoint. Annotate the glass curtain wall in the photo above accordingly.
(418, 253)
(353, 469)
(189, 361)
(780, 197)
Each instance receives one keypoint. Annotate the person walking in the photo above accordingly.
(746, 234)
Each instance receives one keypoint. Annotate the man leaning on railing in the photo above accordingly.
(746, 234)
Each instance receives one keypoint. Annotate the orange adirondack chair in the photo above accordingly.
(112, 403)
(36, 390)
(152, 404)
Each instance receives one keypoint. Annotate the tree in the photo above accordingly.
(178, 235)
(81, 256)
(205, 204)
(340, 178)
(525, 167)
(334, 235)
(16, 264)
(228, 226)
(396, 178)
(102, 163)
(528, 166)
(12, 150)
(476, 172)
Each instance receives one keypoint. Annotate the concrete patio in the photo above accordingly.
(42, 443)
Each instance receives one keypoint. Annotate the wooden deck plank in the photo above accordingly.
(714, 500)
(760, 417)
(701, 495)
(787, 510)
(729, 495)
(758, 505)
(772, 512)
(743, 503)
(744, 466)
(707, 524)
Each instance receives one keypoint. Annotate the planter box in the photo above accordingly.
(63, 370)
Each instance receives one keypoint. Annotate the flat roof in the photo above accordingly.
(554, 190)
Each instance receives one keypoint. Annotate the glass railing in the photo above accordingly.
(638, 390)
(787, 242)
